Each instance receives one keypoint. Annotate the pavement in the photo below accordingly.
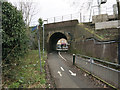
(67, 75)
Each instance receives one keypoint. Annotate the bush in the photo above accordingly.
(13, 34)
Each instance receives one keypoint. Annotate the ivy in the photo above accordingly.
(14, 33)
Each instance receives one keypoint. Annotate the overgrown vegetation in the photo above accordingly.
(26, 73)
(13, 34)
(20, 65)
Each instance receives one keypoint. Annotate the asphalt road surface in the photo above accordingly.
(66, 75)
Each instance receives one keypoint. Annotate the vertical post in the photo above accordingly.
(54, 19)
(99, 6)
(80, 17)
(43, 40)
(62, 18)
(118, 5)
(39, 49)
(91, 65)
(73, 59)
(106, 10)
(83, 18)
(93, 12)
(44, 36)
(71, 16)
(90, 14)
(47, 21)
(1, 45)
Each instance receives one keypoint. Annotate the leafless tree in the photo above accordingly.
(28, 10)
(86, 4)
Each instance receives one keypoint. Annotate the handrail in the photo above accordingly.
(110, 63)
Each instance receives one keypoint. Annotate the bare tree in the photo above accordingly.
(28, 10)
(86, 4)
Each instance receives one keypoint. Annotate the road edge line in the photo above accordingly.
(62, 56)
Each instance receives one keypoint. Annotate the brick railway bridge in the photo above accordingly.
(83, 39)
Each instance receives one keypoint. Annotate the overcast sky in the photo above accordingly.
(52, 8)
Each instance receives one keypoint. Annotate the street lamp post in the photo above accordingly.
(99, 7)
(43, 36)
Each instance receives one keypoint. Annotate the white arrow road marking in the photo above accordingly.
(61, 56)
(59, 73)
(73, 74)
(62, 69)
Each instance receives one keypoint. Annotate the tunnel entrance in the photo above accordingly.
(62, 45)
(54, 39)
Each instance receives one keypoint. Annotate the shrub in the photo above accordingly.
(14, 34)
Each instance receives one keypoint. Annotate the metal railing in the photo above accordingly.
(80, 16)
(106, 74)
(108, 64)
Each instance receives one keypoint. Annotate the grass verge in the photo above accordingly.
(26, 73)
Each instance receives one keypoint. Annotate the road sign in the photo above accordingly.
(34, 28)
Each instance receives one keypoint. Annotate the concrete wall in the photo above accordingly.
(91, 48)
(99, 18)
(88, 44)
(106, 25)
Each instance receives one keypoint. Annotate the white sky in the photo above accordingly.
(53, 8)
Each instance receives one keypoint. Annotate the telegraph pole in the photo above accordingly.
(118, 6)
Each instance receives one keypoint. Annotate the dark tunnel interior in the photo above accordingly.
(54, 39)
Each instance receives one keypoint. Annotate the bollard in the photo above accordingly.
(73, 59)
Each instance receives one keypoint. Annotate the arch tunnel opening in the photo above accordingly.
(54, 40)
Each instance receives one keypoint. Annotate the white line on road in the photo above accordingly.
(62, 69)
(59, 73)
(61, 56)
(73, 74)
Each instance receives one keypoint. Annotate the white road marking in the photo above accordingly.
(85, 74)
(61, 56)
(73, 74)
(62, 69)
(59, 73)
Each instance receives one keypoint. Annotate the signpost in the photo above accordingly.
(33, 29)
